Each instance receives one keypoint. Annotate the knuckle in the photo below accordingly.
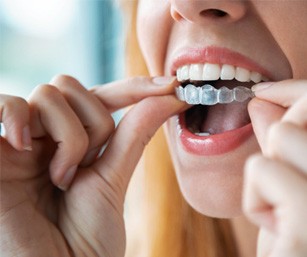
(83, 140)
(252, 164)
(102, 131)
(104, 126)
(64, 82)
(46, 91)
(109, 124)
(64, 79)
(13, 101)
(12, 106)
(276, 135)
(79, 142)
(256, 169)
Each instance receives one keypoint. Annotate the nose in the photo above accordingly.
(199, 11)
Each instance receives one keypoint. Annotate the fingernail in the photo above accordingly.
(164, 80)
(68, 177)
(261, 86)
(91, 156)
(26, 139)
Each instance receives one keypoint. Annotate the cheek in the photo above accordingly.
(288, 27)
(153, 28)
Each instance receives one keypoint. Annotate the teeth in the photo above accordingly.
(208, 95)
(196, 71)
(256, 77)
(242, 75)
(209, 71)
(228, 72)
(185, 72)
(202, 134)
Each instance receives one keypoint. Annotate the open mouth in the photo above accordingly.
(219, 95)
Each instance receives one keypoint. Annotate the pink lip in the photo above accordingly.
(214, 144)
(218, 55)
(224, 142)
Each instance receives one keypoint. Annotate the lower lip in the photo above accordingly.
(214, 144)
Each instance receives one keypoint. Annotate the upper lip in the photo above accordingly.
(217, 55)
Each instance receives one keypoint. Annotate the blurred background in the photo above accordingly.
(42, 38)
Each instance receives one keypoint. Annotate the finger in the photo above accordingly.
(284, 93)
(95, 118)
(272, 192)
(14, 114)
(64, 127)
(119, 94)
(297, 114)
(288, 142)
(265, 243)
(134, 131)
(263, 114)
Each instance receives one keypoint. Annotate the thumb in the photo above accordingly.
(263, 114)
(134, 131)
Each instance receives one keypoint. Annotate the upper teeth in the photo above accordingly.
(209, 71)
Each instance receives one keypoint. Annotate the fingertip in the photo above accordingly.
(262, 114)
(19, 138)
(26, 138)
(14, 116)
(67, 178)
(261, 86)
(163, 80)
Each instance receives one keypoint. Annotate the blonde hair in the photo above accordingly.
(170, 227)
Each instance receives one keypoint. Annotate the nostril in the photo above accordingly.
(213, 13)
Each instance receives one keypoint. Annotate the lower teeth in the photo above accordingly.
(202, 134)
(209, 95)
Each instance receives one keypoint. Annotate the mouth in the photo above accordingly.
(218, 120)
(219, 95)
(217, 82)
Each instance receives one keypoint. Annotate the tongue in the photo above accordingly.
(224, 117)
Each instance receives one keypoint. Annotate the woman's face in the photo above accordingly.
(248, 39)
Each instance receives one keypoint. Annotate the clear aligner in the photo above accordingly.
(209, 95)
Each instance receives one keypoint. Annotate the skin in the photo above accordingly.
(63, 125)
(213, 185)
(204, 181)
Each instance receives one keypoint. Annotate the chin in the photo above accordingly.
(211, 195)
(211, 182)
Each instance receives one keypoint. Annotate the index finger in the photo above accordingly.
(287, 93)
(134, 131)
(284, 93)
(122, 93)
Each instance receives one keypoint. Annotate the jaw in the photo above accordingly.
(213, 184)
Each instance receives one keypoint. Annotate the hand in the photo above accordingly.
(54, 140)
(275, 192)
